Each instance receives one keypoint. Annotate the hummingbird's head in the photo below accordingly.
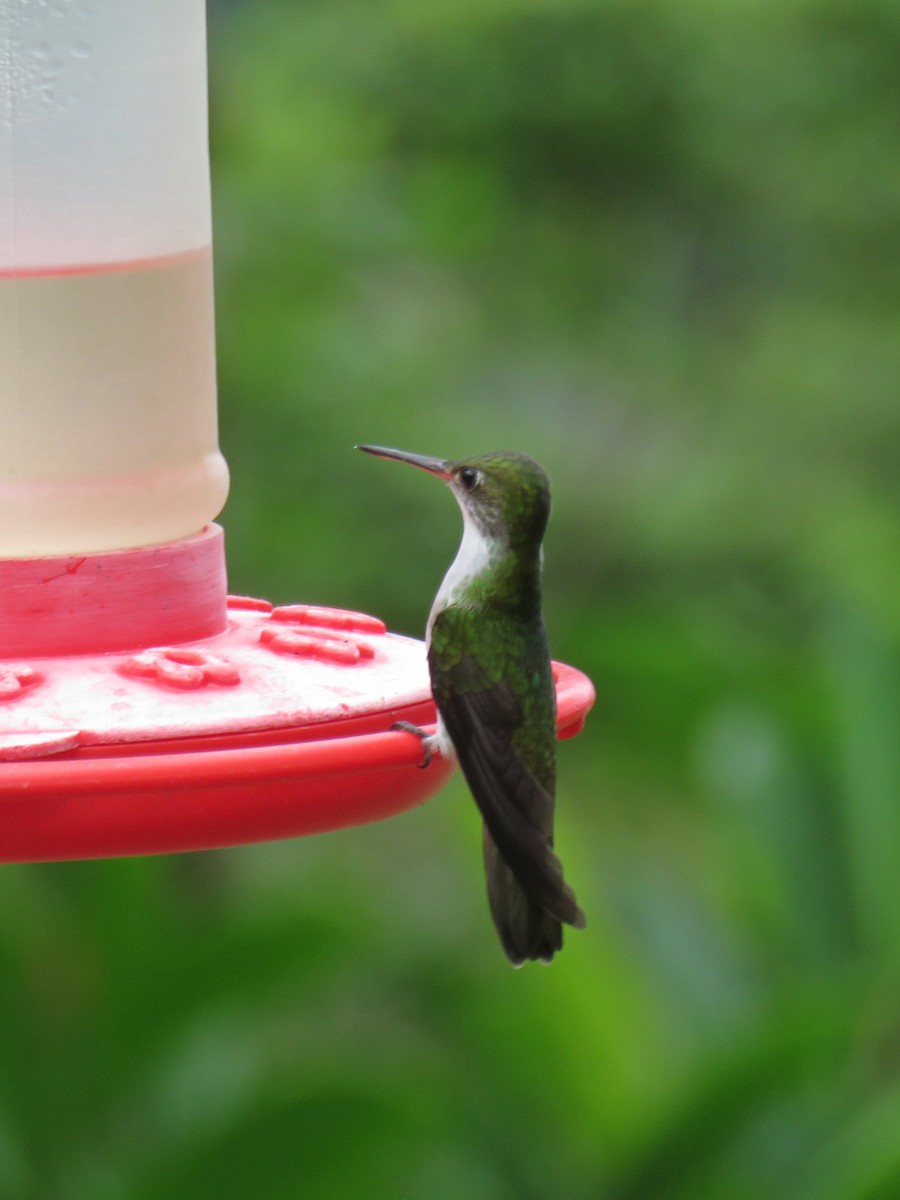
(506, 495)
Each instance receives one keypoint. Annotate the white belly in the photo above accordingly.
(473, 556)
(440, 741)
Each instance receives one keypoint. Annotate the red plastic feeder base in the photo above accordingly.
(140, 713)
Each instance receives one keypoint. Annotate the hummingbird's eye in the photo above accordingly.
(469, 477)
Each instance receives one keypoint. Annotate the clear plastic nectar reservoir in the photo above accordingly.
(108, 432)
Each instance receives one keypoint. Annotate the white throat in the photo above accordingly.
(474, 553)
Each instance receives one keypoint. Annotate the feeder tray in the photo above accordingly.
(243, 722)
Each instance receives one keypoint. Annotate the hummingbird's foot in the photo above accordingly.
(425, 738)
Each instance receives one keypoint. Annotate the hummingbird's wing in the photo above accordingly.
(481, 717)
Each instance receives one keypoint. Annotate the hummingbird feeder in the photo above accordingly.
(142, 710)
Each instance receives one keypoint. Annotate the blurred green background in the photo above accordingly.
(656, 246)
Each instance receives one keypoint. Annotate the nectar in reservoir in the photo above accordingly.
(108, 406)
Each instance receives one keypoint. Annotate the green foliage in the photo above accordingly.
(653, 245)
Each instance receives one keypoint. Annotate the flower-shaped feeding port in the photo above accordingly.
(141, 709)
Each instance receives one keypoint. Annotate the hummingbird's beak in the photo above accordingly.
(434, 466)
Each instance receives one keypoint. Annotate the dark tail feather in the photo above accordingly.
(527, 931)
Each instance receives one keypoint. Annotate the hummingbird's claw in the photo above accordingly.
(408, 727)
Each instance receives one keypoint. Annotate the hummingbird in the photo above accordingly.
(492, 682)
